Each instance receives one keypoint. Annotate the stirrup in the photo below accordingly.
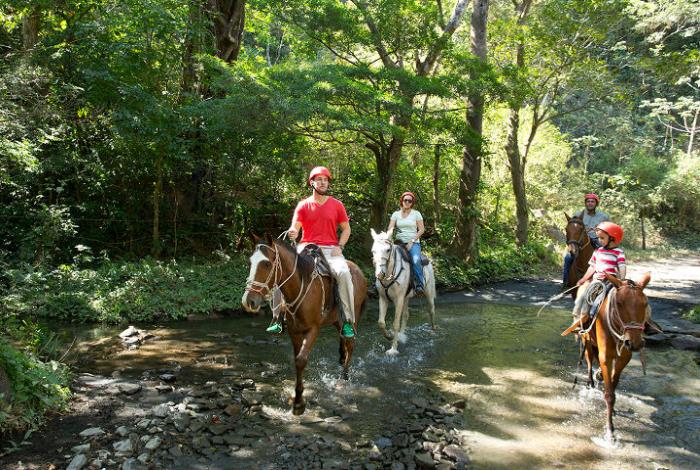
(276, 328)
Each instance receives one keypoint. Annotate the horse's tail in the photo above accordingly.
(363, 306)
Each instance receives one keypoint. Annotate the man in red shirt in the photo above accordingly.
(319, 217)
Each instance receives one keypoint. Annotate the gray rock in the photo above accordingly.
(153, 443)
(91, 432)
(164, 388)
(251, 398)
(81, 449)
(383, 442)
(132, 464)
(397, 466)
(161, 411)
(400, 440)
(686, 342)
(233, 410)
(130, 331)
(218, 429)
(424, 460)
(420, 402)
(129, 388)
(123, 431)
(169, 378)
(124, 446)
(77, 463)
(455, 453)
(657, 339)
(175, 451)
(144, 457)
(200, 443)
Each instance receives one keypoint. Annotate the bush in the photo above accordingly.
(693, 314)
(130, 291)
(37, 388)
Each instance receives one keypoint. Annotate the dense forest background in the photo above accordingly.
(140, 141)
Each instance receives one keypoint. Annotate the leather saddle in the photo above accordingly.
(324, 269)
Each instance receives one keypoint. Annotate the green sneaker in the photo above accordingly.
(348, 331)
(275, 328)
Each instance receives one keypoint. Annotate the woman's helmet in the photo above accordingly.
(407, 193)
(317, 171)
(592, 196)
(614, 230)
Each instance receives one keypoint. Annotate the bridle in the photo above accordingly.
(275, 272)
(391, 260)
(580, 242)
(616, 325)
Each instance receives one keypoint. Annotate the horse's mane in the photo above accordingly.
(305, 263)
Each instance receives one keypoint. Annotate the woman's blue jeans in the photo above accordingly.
(416, 264)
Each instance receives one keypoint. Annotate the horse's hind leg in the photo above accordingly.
(404, 322)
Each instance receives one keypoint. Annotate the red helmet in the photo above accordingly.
(407, 193)
(592, 196)
(317, 171)
(614, 230)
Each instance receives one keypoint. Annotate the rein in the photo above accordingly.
(616, 326)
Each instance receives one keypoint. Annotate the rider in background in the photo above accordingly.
(319, 217)
(609, 258)
(409, 228)
(591, 218)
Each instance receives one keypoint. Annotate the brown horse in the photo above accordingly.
(617, 333)
(579, 245)
(308, 300)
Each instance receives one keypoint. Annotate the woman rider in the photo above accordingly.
(409, 228)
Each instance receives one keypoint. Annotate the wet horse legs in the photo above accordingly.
(302, 347)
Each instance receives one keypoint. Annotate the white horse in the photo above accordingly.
(393, 274)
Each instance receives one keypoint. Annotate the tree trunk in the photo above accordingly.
(436, 184)
(517, 173)
(30, 29)
(387, 159)
(644, 235)
(157, 194)
(189, 75)
(464, 242)
(228, 17)
(517, 161)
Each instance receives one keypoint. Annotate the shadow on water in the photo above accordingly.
(511, 367)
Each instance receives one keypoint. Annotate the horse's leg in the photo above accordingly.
(398, 303)
(383, 306)
(431, 299)
(348, 346)
(404, 322)
(605, 359)
(588, 354)
(299, 404)
(302, 348)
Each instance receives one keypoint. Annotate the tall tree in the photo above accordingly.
(228, 21)
(464, 242)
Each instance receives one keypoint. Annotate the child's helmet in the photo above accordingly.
(614, 230)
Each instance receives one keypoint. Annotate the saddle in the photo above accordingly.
(592, 311)
(323, 269)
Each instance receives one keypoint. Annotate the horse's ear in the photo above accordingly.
(646, 277)
(268, 238)
(613, 279)
(253, 238)
(374, 234)
(567, 217)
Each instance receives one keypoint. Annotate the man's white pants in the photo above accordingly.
(343, 277)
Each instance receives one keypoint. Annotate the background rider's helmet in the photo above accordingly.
(318, 171)
(613, 230)
(407, 193)
(592, 196)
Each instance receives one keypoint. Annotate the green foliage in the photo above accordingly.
(126, 292)
(37, 388)
(693, 314)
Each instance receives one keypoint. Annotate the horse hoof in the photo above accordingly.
(388, 335)
(392, 352)
(402, 338)
(298, 409)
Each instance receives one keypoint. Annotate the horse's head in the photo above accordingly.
(576, 235)
(263, 273)
(381, 249)
(632, 306)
